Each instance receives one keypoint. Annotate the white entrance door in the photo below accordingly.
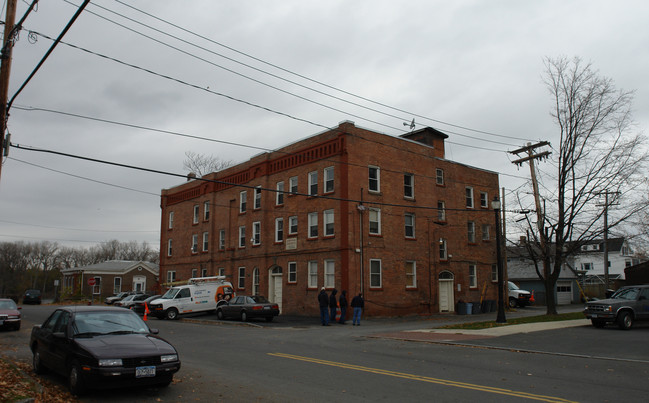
(445, 288)
(275, 287)
(139, 283)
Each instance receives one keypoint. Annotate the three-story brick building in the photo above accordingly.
(349, 209)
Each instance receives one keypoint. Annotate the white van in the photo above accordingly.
(200, 294)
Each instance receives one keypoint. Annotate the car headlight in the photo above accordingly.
(110, 362)
(608, 309)
(169, 358)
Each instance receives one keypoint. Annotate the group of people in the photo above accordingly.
(329, 304)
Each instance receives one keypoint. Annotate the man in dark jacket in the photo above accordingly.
(342, 301)
(358, 304)
(323, 301)
(333, 304)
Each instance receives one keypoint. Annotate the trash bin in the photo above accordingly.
(476, 308)
(469, 308)
(485, 306)
(461, 308)
(493, 305)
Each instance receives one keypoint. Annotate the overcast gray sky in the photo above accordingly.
(473, 64)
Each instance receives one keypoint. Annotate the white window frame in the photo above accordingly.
(439, 176)
(206, 241)
(410, 225)
(313, 274)
(443, 249)
(329, 184)
(194, 273)
(376, 273)
(203, 272)
(206, 211)
(256, 233)
(169, 247)
(194, 243)
(411, 274)
(329, 273)
(292, 272)
(313, 225)
(494, 273)
(279, 196)
(374, 179)
(376, 219)
(486, 232)
(255, 281)
(257, 205)
(468, 197)
(484, 199)
(222, 239)
(117, 285)
(292, 185)
(242, 236)
(328, 222)
(441, 211)
(241, 278)
(292, 225)
(243, 201)
(409, 186)
(171, 276)
(220, 271)
(279, 229)
(313, 183)
(473, 276)
(197, 210)
(470, 231)
(171, 220)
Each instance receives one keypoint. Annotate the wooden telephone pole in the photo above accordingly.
(5, 70)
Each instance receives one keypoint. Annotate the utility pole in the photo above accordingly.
(5, 70)
(606, 268)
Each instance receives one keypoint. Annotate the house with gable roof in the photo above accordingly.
(111, 277)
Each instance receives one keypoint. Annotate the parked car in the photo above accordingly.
(246, 307)
(102, 347)
(130, 300)
(517, 297)
(627, 305)
(9, 314)
(117, 297)
(32, 297)
(138, 306)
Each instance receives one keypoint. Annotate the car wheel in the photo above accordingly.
(75, 380)
(244, 316)
(37, 364)
(269, 318)
(598, 323)
(172, 314)
(219, 314)
(513, 303)
(625, 320)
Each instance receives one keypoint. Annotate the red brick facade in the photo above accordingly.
(384, 227)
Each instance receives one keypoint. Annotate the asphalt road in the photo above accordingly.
(296, 359)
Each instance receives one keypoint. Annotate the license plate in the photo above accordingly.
(2, 322)
(267, 307)
(143, 372)
(593, 316)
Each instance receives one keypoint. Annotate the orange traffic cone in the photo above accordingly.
(146, 310)
(532, 297)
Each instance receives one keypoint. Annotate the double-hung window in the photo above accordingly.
(469, 197)
(222, 239)
(257, 198)
(375, 221)
(439, 177)
(206, 241)
(375, 273)
(196, 213)
(206, 211)
(313, 274)
(374, 174)
(328, 218)
(409, 225)
(256, 233)
(313, 225)
(470, 229)
(169, 248)
(443, 250)
(292, 225)
(408, 186)
(473, 276)
(279, 229)
(329, 273)
(243, 200)
(279, 196)
(171, 219)
(242, 278)
(486, 229)
(313, 183)
(484, 200)
(242, 236)
(292, 184)
(195, 243)
(292, 272)
(329, 179)
(441, 211)
(411, 274)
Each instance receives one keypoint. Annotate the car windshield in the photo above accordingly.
(260, 300)
(7, 305)
(513, 286)
(100, 323)
(626, 293)
(171, 293)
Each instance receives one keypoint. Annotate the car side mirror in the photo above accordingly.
(154, 331)
(59, 335)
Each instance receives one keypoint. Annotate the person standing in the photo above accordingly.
(323, 301)
(358, 304)
(333, 304)
(342, 301)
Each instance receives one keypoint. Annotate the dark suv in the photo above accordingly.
(32, 297)
(627, 305)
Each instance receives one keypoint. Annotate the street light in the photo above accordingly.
(495, 204)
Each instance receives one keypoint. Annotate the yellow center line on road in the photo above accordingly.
(421, 378)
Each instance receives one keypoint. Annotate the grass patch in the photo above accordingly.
(517, 321)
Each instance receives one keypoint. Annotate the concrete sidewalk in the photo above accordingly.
(510, 329)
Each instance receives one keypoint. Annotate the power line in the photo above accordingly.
(77, 229)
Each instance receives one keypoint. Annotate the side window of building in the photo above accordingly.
(469, 197)
(222, 239)
(328, 222)
(473, 276)
(376, 275)
(243, 200)
(486, 232)
(443, 252)
(206, 211)
(439, 177)
(329, 179)
(257, 197)
(441, 211)
(470, 227)
(313, 183)
(292, 272)
(117, 285)
(374, 215)
(279, 229)
(374, 174)
(484, 200)
(256, 233)
(279, 196)
(411, 274)
(196, 214)
(292, 183)
(329, 273)
(206, 241)
(242, 236)
(313, 274)
(169, 249)
(313, 225)
(241, 283)
(409, 225)
(408, 186)
(292, 225)
(171, 219)
(194, 243)
(171, 276)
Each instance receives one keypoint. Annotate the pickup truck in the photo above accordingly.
(627, 305)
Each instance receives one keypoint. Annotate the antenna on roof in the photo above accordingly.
(411, 124)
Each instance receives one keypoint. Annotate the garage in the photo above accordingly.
(564, 292)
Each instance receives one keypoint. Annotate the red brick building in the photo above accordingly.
(349, 209)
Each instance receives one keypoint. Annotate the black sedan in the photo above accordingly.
(101, 347)
(139, 306)
(244, 308)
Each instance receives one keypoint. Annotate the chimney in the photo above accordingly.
(430, 137)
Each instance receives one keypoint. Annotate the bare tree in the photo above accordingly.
(201, 165)
(597, 155)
